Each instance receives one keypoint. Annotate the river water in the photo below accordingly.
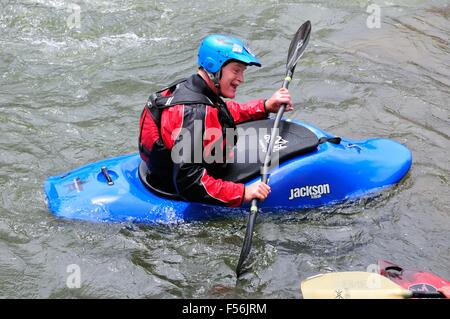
(73, 81)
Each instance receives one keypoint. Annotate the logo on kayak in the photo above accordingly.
(279, 144)
(313, 191)
(422, 288)
(339, 293)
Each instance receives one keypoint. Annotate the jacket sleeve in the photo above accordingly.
(191, 178)
(253, 110)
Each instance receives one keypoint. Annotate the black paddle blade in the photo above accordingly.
(298, 45)
(247, 243)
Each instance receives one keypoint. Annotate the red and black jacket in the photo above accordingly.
(188, 115)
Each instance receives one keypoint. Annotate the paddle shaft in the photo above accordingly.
(273, 135)
(254, 205)
(296, 49)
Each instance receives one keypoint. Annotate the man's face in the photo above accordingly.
(232, 77)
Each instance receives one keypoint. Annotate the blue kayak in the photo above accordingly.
(312, 172)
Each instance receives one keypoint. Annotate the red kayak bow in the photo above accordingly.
(419, 281)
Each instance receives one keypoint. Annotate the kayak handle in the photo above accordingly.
(106, 174)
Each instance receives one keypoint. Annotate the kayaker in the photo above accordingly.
(188, 110)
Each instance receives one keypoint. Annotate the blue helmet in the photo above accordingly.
(216, 49)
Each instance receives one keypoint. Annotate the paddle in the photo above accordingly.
(357, 285)
(296, 48)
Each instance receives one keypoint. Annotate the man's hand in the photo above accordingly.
(257, 190)
(281, 96)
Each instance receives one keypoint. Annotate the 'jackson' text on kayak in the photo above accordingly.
(313, 191)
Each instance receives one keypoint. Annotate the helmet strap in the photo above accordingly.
(215, 78)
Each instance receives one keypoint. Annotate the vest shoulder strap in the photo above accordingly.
(179, 93)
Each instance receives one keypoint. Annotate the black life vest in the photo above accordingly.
(184, 91)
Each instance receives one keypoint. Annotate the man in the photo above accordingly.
(181, 106)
